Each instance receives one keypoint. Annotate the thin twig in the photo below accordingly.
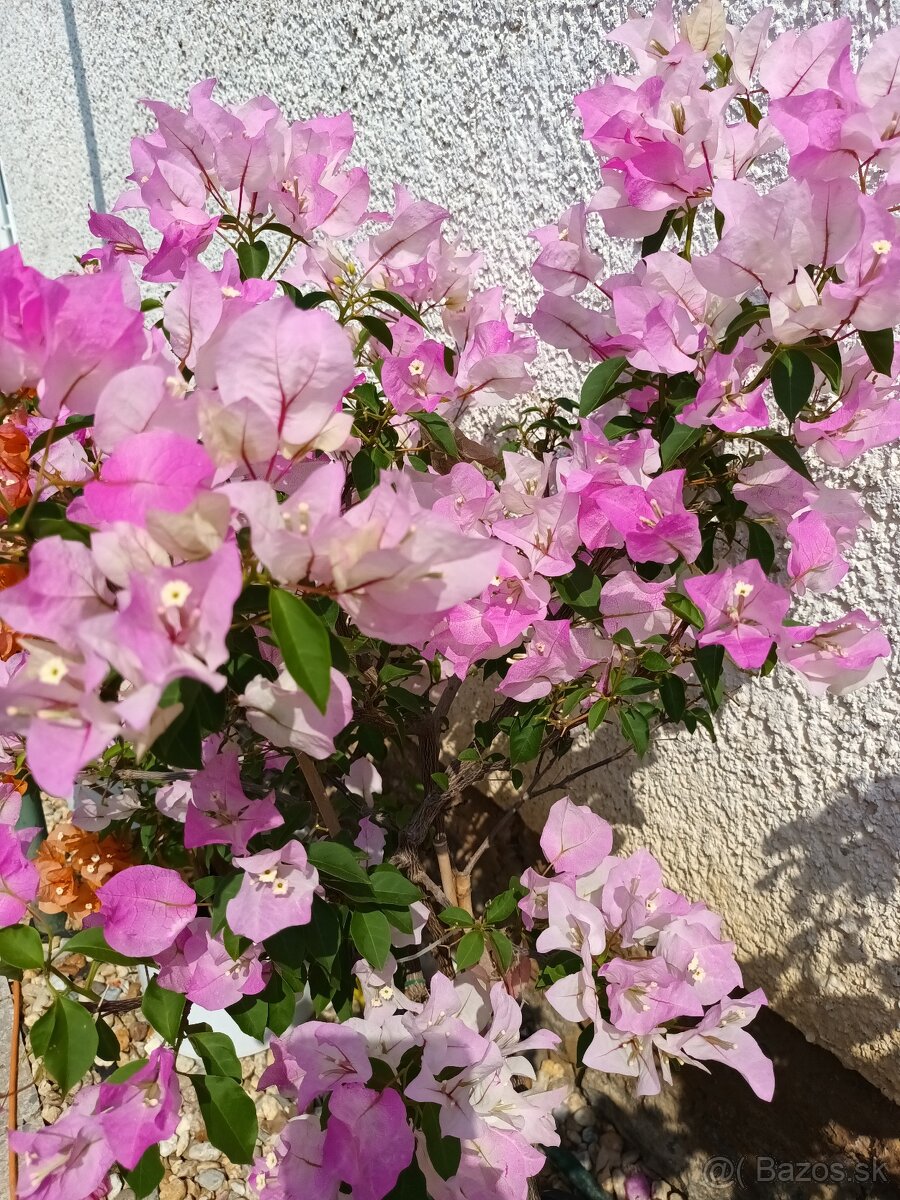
(13, 1093)
(603, 762)
(431, 946)
(504, 821)
(320, 796)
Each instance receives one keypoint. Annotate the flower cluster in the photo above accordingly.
(406, 1083)
(647, 962)
(251, 551)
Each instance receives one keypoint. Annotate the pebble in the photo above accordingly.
(575, 1102)
(203, 1152)
(661, 1190)
(211, 1179)
(617, 1179)
(172, 1189)
(584, 1117)
(589, 1136)
(167, 1148)
(269, 1108)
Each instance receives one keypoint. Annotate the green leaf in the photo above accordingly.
(411, 1184)
(580, 589)
(584, 1040)
(828, 360)
(125, 1072)
(229, 1115)
(438, 431)
(51, 436)
(636, 728)
(597, 713)
(654, 661)
(147, 1175)
(282, 1001)
(792, 382)
(525, 737)
(371, 933)
(164, 1010)
(216, 1051)
(303, 639)
(752, 113)
(340, 864)
(305, 300)
(557, 965)
(364, 472)
(227, 887)
(680, 438)
(501, 907)
(21, 946)
(709, 663)
(636, 685)
(108, 1047)
(253, 258)
(672, 694)
(92, 944)
(398, 302)
(377, 329)
(317, 941)
(760, 545)
(684, 608)
(180, 743)
(444, 1153)
(41, 1032)
(69, 1043)
(653, 241)
(456, 917)
(250, 1015)
(879, 345)
(503, 948)
(470, 949)
(599, 383)
(391, 888)
(783, 448)
(746, 319)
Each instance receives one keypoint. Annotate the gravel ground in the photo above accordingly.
(194, 1167)
(596, 1145)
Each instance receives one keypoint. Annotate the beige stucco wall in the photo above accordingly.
(791, 824)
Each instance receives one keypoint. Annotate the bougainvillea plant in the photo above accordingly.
(252, 551)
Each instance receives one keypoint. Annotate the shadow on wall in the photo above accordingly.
(843, 878)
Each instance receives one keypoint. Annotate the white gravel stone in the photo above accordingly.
(211, 1179)
(203, 1152)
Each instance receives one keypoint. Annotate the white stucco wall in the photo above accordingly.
(791, 825)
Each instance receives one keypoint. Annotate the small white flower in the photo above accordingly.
(881, 246)
(174, 594)
(53, 671)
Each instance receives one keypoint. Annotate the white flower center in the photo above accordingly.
(416, 367)
(174, 594)
(743, 589)
(53, 671)
(882, 246)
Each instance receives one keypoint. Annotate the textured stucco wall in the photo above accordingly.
(791, 825)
